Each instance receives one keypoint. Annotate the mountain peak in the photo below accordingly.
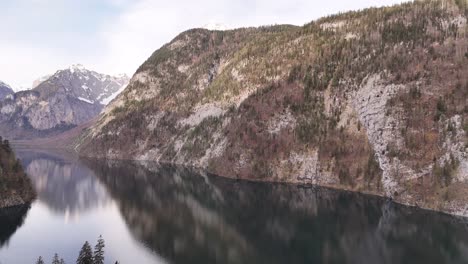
(2, 84)
(81, 83)
(5, 90)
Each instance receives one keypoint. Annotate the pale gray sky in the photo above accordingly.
(39, 37)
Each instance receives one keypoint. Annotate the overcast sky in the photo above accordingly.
(38, 37)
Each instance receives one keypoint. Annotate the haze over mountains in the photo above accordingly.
(64, 100)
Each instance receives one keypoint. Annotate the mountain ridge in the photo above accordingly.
(66, 99)
(372, 101)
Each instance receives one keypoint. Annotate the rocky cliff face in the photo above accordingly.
(373, 101)
(66, 99)
(5, 90)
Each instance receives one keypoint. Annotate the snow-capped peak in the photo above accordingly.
(215, 26)
(5, 85)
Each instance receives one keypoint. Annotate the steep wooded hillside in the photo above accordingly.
(15, 186)
(373, 101)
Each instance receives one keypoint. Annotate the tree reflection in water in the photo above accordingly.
(191, 217)
(10, 220)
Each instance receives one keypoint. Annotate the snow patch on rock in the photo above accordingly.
(85, 100)
(107, 100)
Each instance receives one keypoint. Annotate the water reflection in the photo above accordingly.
(190, 217)
(10, 220)
(72, 207)
(154, 213)
(64, 184)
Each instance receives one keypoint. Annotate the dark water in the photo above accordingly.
(163, 214)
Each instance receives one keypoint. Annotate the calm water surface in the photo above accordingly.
(149, 213)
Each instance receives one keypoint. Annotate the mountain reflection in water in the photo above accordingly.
(191, 217)
(150, 213)
(64, 184)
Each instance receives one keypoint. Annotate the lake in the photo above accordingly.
(150, 213)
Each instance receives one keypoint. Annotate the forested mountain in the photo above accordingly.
(15, 186)
(373, 101)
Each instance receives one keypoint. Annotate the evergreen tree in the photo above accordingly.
(86, 255)
(62, 261)
(40, 260)
(99, 251)
(56, 260)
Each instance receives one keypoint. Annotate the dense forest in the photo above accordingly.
(15, 186)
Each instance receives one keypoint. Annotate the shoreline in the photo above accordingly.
(415, 204)
(450, 209)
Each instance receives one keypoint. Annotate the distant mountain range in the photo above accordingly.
(58, 102)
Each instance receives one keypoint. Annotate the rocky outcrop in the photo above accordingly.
(66, 99)
(372, 101)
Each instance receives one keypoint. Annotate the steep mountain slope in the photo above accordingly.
(66, 99)
(5, 90)
(373, 101)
